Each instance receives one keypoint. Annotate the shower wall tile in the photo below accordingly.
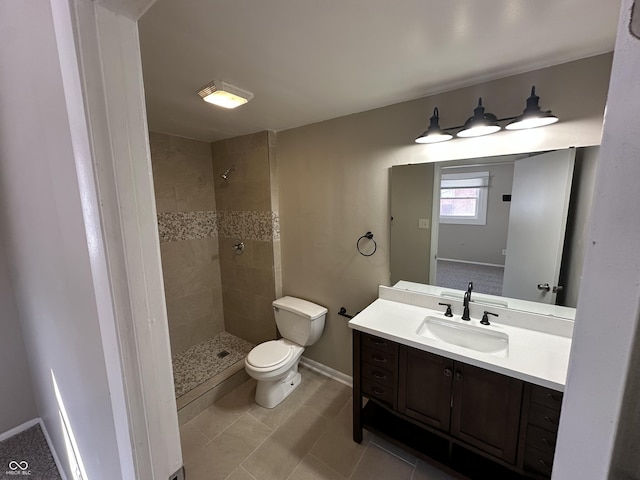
(248, 186)
(252, 328)
(188, 308)
(159, 143)
(250, 225)
(187, 224)
(194, 148)
(255, 281)
(182, 172)
(186, 253)
(179, 337)
(166, 198)
(273, 170)
(175, 226)
(190, 280)
(263, 257)
(197, 196)
(246, 212)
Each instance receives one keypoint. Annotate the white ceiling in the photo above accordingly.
(312, 60)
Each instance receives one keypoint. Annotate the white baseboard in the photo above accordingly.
(20, 428)
(52, 450)
(453, 260)
(327, 371)
(26, 426)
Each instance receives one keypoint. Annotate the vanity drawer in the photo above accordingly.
(378, 391)
(380, 358)
(379, 374)
(538, 461)
(379, 343)
(541, 439)
(544, 417)
(547, 397)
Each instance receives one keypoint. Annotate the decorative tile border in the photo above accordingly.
(263, 226)
(174, 226)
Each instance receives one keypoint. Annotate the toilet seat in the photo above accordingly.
(269, 354)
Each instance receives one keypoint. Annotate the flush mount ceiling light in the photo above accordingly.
(484, 123)
(224, 94)
(434, 133)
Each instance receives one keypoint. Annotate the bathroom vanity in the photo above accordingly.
(480, 400)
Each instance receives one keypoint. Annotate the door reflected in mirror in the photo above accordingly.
(514, 225)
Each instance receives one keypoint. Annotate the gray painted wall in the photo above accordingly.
(333, 180)
(16, 402)
(411, 200)
(481, 243)
(46, 244)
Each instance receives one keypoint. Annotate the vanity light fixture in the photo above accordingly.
(484, 123)
(532, 116)
(480, 123)
(434, 133)
(224, 94)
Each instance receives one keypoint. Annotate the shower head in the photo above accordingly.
(225, 175)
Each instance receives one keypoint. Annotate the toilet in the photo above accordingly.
(274, 364)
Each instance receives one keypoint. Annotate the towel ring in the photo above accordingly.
(368, 236)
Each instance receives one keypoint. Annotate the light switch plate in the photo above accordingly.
(423, 223)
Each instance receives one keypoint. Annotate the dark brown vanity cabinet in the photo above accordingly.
(458, 406)
(539, 430)
(474, 405)
(425, 383)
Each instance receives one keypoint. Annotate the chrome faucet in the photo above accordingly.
(465, 302)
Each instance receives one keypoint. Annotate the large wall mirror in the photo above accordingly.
(513, 225)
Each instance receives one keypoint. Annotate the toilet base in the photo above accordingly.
(271, 393)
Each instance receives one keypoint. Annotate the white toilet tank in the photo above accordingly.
(298, 320)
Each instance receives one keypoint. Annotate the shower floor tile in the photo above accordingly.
(199, 363)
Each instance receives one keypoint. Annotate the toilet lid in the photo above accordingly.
(268, 354)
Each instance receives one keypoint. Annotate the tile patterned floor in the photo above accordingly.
(307, 437)
(201, 362)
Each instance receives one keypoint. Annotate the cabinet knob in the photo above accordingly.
(378, 358)
(458, 376)
(447, 372)
(548, 419)
(553, 397)
(377, 341)
(377, 391)
(377, 374)
(543, 463)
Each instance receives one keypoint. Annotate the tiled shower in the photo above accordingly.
(218, 301)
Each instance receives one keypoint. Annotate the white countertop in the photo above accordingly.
(534, 356)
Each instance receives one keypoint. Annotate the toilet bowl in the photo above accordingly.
(274, 364)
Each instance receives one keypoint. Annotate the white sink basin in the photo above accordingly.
(466, 336)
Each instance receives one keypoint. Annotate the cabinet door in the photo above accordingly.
(425, 387)
(486, 410)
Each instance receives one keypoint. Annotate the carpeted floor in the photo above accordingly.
(199, 363)
(457, 275)
(27, 455)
